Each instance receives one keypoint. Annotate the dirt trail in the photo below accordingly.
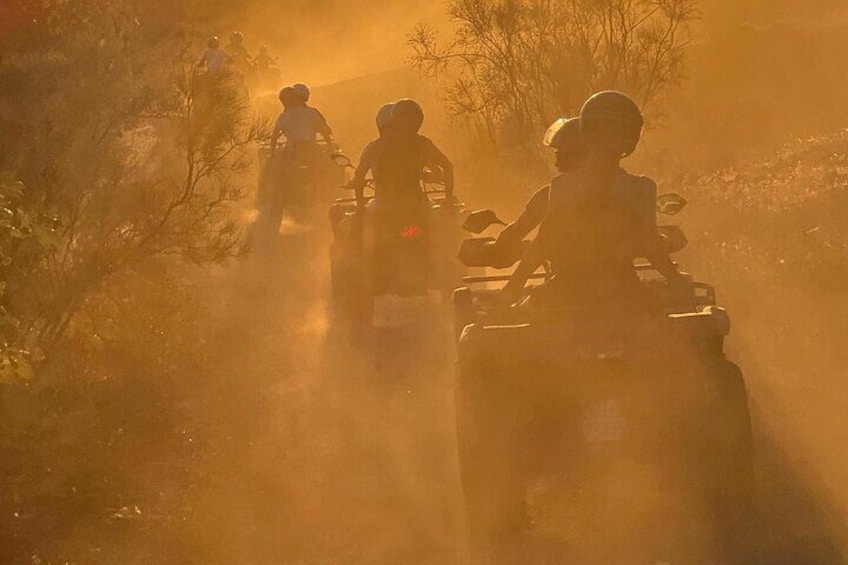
(334, 454)
(321, 452)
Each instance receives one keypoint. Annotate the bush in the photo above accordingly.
(517, 65)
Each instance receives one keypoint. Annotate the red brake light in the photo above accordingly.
(411, 232)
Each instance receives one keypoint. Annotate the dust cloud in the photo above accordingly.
(307, 449)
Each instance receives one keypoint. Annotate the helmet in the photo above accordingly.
(289, 97)
(237, 37)
(613, 119)
(384, 116)
(564, 136)
(213, 42)
(564, 131)
(302, 90)
(407, 114)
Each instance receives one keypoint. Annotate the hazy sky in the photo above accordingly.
(326, 41)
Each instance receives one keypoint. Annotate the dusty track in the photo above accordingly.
(334, 453)
(321, 452)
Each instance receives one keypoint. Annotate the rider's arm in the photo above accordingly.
(653, 243)
(657, 254)
(543, 215)
(529, 219)
(533, 258)
(366, 163)
(435, 158)
(280, 128)
(321, 126)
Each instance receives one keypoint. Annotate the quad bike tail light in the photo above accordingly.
(411, 232)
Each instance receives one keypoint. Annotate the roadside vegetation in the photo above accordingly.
(120, 182)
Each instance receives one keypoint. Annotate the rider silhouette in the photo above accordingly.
(398, 158)
(600, 217)
(565, 139)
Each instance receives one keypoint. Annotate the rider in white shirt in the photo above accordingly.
(299, 123)
(214, 58)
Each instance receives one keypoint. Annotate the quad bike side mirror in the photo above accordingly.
(670, 204)
(342, 160)
(477, 222)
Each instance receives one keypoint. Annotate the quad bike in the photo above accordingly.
(290, 180)
(585, 437)
(267, 78)
(401, 252)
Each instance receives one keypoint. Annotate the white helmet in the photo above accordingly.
(302, 90)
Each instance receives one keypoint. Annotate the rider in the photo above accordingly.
(263, 60)
(300, 123)
(565, 139)
(369, 154)
(214, 58)
(304, 93)
(384, 117)
(398, 159)
(600, 217)
(238, 52)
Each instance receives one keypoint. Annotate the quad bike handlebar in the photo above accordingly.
(428, 178)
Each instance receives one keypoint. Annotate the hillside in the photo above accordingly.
(771, 235)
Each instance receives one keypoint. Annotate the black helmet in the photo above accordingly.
(237, 37)
(303, 91)
(213, 42)
(289, 97)
(384, 116)
(613, 119)
(407, 115)
(563, 132)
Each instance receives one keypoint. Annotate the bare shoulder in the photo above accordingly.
(373, 148)
(563, 183)
(643, 184)
(427, 143)
(563, 188)
(540, 200)
(541, 195)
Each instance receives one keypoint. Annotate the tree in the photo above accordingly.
(516, 65)
(138, 161)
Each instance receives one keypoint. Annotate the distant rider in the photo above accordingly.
(299, 123)
(565, 139)
(600, 218)
(263, 61)
(238, 54)
(305, 94)
(367, 160)
(214, 59)
(399, 157)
